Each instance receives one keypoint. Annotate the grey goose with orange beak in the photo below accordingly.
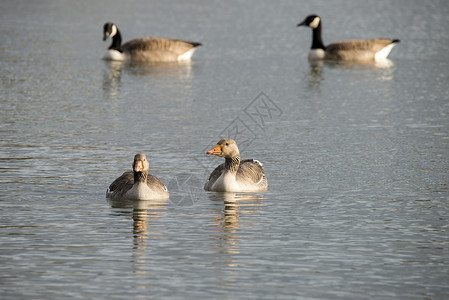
(137, 184)
(235, 175)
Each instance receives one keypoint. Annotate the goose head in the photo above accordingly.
(226, 148)
(109, 31)
(312, 21)
(141, 164)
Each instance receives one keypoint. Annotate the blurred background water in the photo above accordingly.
(356, 156)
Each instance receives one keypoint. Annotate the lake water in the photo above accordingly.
(357, 157)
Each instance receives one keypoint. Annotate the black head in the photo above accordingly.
(109, 30)
(312, 21)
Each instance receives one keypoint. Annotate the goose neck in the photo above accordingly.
(232, 164)
(140, 177)
(116, 41)
(317, 41)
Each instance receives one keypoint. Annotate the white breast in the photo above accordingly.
(316, 54)
(226, 183)
(115, 55)
(143, 192)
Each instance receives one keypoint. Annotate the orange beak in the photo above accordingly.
(138, 166)
(215, 151)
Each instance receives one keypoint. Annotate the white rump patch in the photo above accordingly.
(187, 55)
(258, 162)
(316, 54)
(382, 54)
(314, 24)
(261, 179)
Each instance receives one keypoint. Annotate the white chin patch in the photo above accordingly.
(314, 24)
(114, 31)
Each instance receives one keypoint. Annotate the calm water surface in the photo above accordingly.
(357, 157)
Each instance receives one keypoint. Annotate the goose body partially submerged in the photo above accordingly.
(147, 49)
(357, 50)
(235, 175)
(137, 184)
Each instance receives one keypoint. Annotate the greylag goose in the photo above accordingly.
(154, 49)
(375, 49)
(235, 175)
(137, 184)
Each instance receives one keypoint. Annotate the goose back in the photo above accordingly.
(251, 171)
(357, 49)
(157, 49)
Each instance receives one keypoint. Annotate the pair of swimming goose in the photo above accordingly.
(167, 50)
(234, 175)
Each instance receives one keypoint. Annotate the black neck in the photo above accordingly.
(317, 42)
(116, 42)
(232, 164)
(140, 177)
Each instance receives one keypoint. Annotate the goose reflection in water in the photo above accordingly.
(383, 69)
(143, 212)
(229, 220)
(111, 79)
(165, 71)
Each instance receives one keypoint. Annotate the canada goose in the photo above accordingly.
(235, 175)
(137, 184)
(374, 49)
(153, 49)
